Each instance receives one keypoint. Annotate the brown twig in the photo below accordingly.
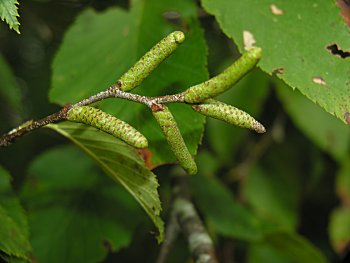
(29, 126)
(111, 92)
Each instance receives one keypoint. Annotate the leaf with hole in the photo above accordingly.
(300, 55)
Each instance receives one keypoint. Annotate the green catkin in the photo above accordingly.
(107, 123)
(151, 60)
(229, 114)
(176, 142)
(226, 79)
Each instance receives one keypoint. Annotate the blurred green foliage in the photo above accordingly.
(280, 197)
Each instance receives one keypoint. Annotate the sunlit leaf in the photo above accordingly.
(9, 13)
(305, 57)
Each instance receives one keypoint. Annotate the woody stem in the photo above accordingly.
(111, 92)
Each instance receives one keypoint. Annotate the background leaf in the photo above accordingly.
(9, 88)
(249, 95)
(121, 162)
(339, 229)
(9, 13)
(289, 45)
(278, 202)
(285, 247)
(14, 235)
(339, 225)
(323, 129)
(229, 218)
(225, 214)
(10, 94)
(86, 215)
(130, 34)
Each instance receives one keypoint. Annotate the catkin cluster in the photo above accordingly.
(199, 96)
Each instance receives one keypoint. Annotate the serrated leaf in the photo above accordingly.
(14, 236)
(75, 213)
(330, 134)
(121, 162)
(297, 52)
(9, 13)
(84, 66)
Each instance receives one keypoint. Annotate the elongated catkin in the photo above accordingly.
(174, 138)
(142, 68)
(107, 123)
(229, 114)
(226, 79)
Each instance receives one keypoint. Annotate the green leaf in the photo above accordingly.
(339, 229)
(298, 52)
(285, 247)
(278, 202)
(323, 129)
(229, 218)
(84, 66)
(75, 214)
(248, 95)
(264, 253)
(121, 162)
(222, 211)
(9, 89)
(343, 182)
(14, 236)
(9, 13)
(339, 224)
